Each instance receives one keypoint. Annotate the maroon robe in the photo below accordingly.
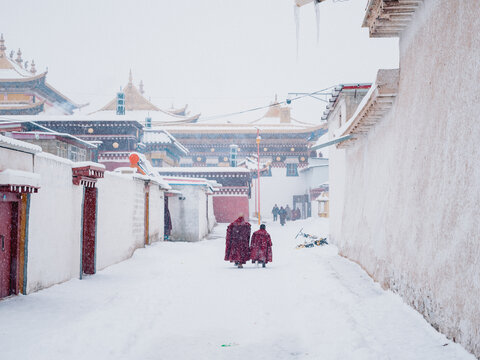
(261, 246)
(237, 241)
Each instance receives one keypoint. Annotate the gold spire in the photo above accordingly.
(140, 87)
(130, 78)
(2, 46)
(32, 67)
(19, 60)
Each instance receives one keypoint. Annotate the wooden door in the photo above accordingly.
(89, 230)
(5, 248)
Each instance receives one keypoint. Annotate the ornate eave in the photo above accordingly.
(372, 109)
(388, 18)
(87, 174)
(28, 109)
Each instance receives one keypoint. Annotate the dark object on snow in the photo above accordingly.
(283, 215)
(275, 211)
(261, 246)
(237, 249)
(167, 224)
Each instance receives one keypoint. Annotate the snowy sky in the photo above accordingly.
(216, 55)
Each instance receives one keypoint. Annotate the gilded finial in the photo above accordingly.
(19, 60)
(2, 46)
(130, 78)
(140, 87)
(32, 67)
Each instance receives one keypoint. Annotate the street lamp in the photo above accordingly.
(258, 173)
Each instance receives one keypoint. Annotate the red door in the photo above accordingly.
(5, 248)
(89, 230)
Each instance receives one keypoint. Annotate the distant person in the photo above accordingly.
(275, 212)
(283, 215)
(289, 213)
(261, 246)
(297, 214)
(237, 247)
(167, 224)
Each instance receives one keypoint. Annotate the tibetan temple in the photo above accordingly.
(24, 92)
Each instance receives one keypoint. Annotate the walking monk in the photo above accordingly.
(237, 249)
(261, 246)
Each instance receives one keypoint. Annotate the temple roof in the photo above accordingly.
(276, 119)
(138, 107)
(14, 74)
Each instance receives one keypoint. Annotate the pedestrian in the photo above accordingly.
(275, 212)
(237, 248)
(167, 224)
(297, 214)
(261, 246)
(283, 215)
(289, 213)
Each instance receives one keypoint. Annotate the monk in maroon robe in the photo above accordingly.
(261, 246)
(237, 249)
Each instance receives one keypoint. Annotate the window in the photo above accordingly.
(292, 170)
(157, 162)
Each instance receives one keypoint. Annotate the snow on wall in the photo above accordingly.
(155, 214)
(405, 203)
(120, 218)
(54, 226)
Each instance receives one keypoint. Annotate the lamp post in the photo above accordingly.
(258, 174)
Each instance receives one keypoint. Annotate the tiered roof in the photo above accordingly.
(137, 107)
(16, 77)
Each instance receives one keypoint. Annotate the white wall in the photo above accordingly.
(212, 221)
(15, 160)
(276, 189)
(120, 218)
(406, 205)
(189, 216)
(54, 227)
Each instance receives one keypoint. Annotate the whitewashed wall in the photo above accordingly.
(120, 218)
(156, 214)
(189, 216)
(406, 203)
(15, 160)
(276, 189)
(212, 221)
(54, 227)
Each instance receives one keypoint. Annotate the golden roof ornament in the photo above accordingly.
(19, 60)
(130, 79)
(32, 68)
(2, 46)
(140, 87)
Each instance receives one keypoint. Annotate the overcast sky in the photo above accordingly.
(216, 55)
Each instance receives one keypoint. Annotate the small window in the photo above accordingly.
(157, 162)
(292, 169)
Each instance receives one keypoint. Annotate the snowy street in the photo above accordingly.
(182, 301)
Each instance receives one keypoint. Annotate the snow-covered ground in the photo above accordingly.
(182, 301)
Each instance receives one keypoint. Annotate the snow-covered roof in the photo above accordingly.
(14, 144)
(161, 136)
(138, 107)
(19, 178)
(185, 181)
(202, 169)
